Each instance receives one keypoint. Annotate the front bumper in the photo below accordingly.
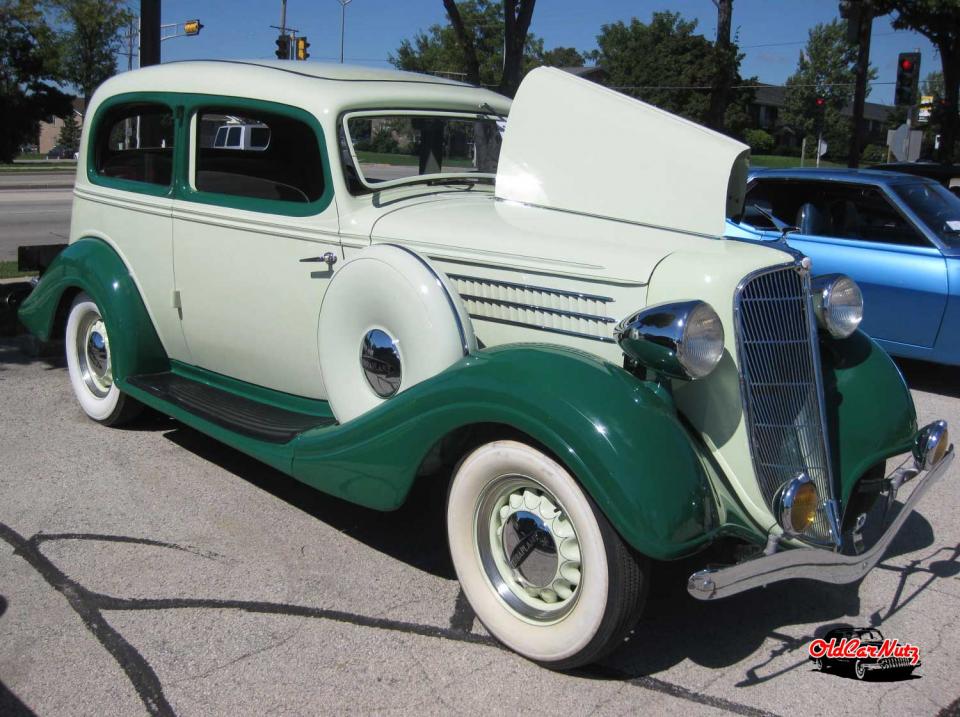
(811, 563)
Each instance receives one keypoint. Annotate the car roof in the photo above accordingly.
(331, 71)
(868, 176)
(325, 88)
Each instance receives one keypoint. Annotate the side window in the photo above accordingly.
(135, 143)
(233, 139)
(863, 212)
(264, 156)
(783, 198)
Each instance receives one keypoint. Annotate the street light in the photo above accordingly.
(343, 13)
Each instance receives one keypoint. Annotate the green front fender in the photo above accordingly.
(92, 266)
(617, 435)
(870, 414)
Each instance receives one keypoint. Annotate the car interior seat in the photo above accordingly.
(811, 220)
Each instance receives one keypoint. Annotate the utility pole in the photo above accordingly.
(149, 32)
(859, 16)
(343, 14)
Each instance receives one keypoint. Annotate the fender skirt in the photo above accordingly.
(92, 266)
(618, 436)
(870, 414)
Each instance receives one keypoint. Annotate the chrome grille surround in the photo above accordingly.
(782, 389)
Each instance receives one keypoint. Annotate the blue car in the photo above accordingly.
(896, 235)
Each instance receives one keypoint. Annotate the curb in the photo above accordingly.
(36, 185)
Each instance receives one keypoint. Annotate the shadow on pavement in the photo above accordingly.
(930, 377)
(420, 520)
(11, 705)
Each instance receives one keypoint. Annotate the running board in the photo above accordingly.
(244, 416)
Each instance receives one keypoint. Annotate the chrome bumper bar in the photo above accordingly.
(810, 563)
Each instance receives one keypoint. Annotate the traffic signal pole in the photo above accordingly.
(149, 32)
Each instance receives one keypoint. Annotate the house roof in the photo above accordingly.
(775, 96)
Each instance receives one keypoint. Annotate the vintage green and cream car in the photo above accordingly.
(388, 282)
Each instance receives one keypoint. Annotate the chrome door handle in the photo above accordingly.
(329, 259)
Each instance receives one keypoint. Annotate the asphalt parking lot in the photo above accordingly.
(151, 570)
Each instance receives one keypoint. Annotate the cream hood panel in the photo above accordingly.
(476, 228)
(572, 144)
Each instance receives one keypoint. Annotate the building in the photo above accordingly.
(769, 101)
(50, 131)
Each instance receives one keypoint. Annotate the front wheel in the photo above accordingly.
(542, 568)
(860, 670)
(90, 365)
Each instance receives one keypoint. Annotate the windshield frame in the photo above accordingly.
(419, 178)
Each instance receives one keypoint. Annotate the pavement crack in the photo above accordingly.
(241, 658)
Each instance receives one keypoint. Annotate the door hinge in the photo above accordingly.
(175, 299)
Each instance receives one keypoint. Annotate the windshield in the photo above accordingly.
(396, 148)
(936, 206)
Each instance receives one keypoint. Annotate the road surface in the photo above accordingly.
(33, 216)
(155, 571)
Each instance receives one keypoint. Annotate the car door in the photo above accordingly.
(255, 246)
(855, 229)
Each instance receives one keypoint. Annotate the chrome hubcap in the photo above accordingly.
(380, 361)
(93, 355)
(529, 548)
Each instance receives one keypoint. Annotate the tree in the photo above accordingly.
(939, 21)
(667, 64)
(726, 63)
(90, 44)
(825, 72)
(562, 57)
(70, 133)
(485, 43)
(28, 75)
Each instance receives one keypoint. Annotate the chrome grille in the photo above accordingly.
(780, 370)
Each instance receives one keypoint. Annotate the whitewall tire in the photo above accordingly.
(542, 568)
(90, 366)
(388, 321)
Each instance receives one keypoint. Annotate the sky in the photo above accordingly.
(771, 33)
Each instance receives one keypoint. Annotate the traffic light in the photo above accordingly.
(283, 47)
(192, 27)
(302, 46)
(820, 102)
(908, 77)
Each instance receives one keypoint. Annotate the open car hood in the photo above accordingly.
(574, 145)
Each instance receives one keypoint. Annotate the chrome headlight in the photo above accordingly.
(682, 340)
(838, 304)
(931, 445)
(797, 504)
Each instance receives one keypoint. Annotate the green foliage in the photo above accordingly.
(90, 44)
(760, 142)
(70, 133)
(562, 57)
(29, 73)
(437, 50)
(667, 64)
(826, 70)
(874, 154)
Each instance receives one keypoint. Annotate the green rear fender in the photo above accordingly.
(613, 432)
(92, 266)
(870, 414)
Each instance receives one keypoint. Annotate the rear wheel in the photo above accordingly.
(542, 568)
(90, 365)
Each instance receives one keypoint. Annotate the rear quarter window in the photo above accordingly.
(134, 143)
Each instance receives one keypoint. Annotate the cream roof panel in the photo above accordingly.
(305, 84)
